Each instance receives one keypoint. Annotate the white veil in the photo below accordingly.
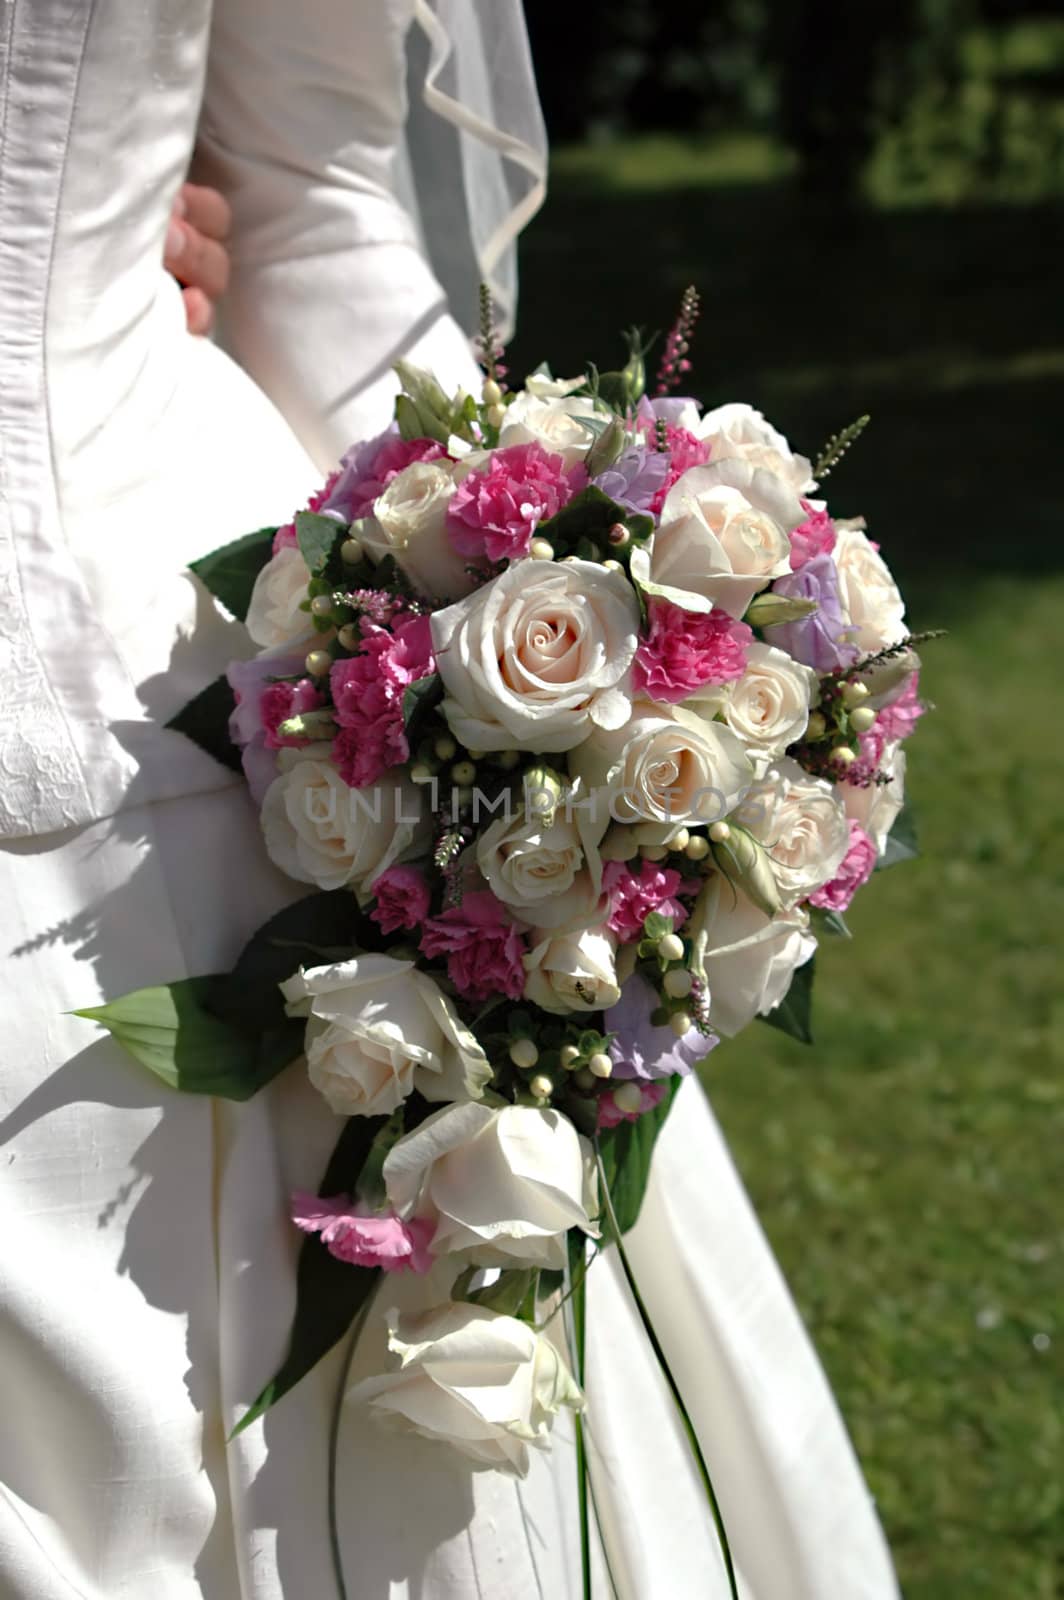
(476, 159)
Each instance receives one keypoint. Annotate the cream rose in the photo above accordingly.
(487, 1384)
(572, 970)
(538, 657)
(738, 432)
(552, 422)
(377, 1029)
(801, 821)
(545, 867)
(318, 830)
(502, 1184)
(769, 705)
(751, 958)
(876, 807)
(274, 617)
(870, 600)
(723, 537)
(409, 522)
(666, 765)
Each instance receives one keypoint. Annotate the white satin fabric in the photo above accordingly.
(147, 1264)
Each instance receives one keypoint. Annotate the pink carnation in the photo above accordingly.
(483, 947)
(813, 537)
(684, 451)
(634, 896)
(610, 1114)
(684, 650)
(495, 511)
(898, 720)
(282, 700)
(871, 747)
(285, 537)
(403, 899)
(367, 692)
(363, 1237)
(855, 871)
(393, 457)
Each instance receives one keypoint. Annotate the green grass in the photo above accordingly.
(908, 1167)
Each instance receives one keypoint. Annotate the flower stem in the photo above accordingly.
(334, 1439)
(578, 1311)
(674, 1389)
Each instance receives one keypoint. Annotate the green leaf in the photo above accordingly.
(830, 922)
(419, 699)
(329, 1293)
(590, 515)
(626, 1151)
(318, 536)
(513, 1294)
(230, 573)
(655, 926)
(205, 720)
(171, 1031)
(794, 1014)
(901, 842)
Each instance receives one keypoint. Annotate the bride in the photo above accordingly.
(148, 1268)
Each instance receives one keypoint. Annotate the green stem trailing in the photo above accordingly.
(578, 1307)
(655, 1344)
(334, 1440)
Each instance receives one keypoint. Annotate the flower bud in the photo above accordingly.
(600, 1065)
(584, 1079)
(677, 983)
(491, 393)
(628, 1097)
(351, 551)
(697, 847)
(508, 759)
(680, 839)
(349, 636)
(318, 724)
(680, 1023)
(619, 536)
(853, 692)
(612, 566)
(541, 550)
(842, 756)
(541, 1086)
(862, 718)
(744, 861)
(421, 772)
(495, 416)
(318, 663)
(719, 832)
(445, 747)
(321, 606)
(767, 609)
(463, 773)
(817, 726)
(543, 789)
(670, 947)
(568, 1055)
(653, 852)
(523, 1054)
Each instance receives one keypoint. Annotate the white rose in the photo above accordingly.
(544, 387)
(547, 869)
(553, 423)
(666, 765)
(871, 602)
(876, 807)
(504, 1184)
(738, 432)
(377, 1029)
(537, 658)
(274, 617)
(574, 970)
(318, 830)
(487, 1384)
(751, 957)
(769, 705)
(723, 537)
(410, 523)
(801, 821)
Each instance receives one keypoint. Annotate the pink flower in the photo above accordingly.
(367, 692)
(813, 537)
(363, 1237)
(610, 1114)
(871, 747)
(374, 475)
(495, 511)
(282, 700)
(484, 948)
(403, 899)
(684, 650)
(898, 720)
(285, 538)
(855, 871)
(634, 896)
(684, 451)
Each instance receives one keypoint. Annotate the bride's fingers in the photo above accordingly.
(195, 260)
(199, 312)
(205, 210)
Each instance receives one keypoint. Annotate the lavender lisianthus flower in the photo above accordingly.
(635, 478)
(643, 1051)
(819, 641)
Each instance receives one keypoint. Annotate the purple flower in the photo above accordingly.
(644, 1051)
(820, 640)
(636, 478)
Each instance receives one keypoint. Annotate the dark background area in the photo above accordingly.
(869, 198)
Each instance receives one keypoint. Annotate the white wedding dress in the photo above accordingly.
(147, 1264)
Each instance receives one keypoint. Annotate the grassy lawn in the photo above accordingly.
(908, 1167)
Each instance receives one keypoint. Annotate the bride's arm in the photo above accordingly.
(302, 131)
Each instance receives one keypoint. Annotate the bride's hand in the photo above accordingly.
(195, 252)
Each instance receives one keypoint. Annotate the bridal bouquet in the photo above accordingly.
(583, 717)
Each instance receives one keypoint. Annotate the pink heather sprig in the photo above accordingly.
(488, 346)
(380, 606)
(674, 362)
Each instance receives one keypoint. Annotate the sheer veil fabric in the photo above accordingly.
(148, 1270)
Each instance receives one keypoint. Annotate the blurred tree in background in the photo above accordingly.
(949, 99)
